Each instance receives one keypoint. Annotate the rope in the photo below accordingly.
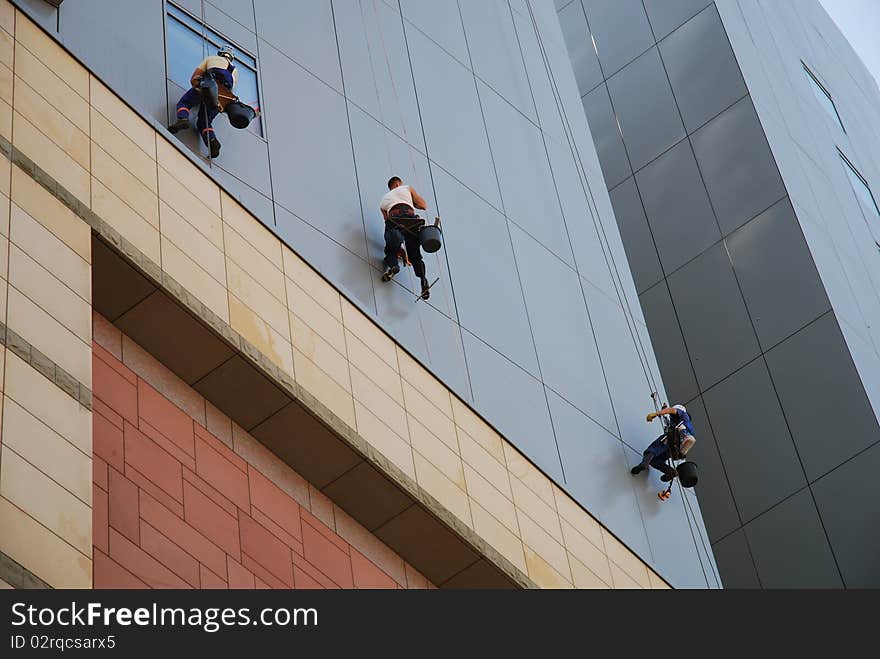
(608, 254)
(204, 108)
(611, 263)
(373, 72)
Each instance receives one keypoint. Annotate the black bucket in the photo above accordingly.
(240, 115)
(687, 474)
(429, 236)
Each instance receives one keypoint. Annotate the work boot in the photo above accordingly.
(179, 125)
(426, 292)
(638, 469)
(667, 477)
(214, 145)
(389, 274)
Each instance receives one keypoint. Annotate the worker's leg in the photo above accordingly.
(661, 463)
(204, 124)
(414, 252)
(189, 100)
(393, 241)
(655, 449)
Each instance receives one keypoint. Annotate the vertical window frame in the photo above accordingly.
(818, 87)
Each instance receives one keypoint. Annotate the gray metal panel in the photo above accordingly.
(713, 489)
(232, 29)
(847, 501)
(753, 439)
(597, 473)
(666, 336)
(584, 60)
(621, 31)
(566, 348)
(240, 10)
(312, 166)
(580, 219)
(495, 53)
(257, 203)
(516, 403)
(645, 108)
(472, 227)
(790, 547)
(101, 34)
(777, 274)
(453, 121)
(702, 68)
(440, 20)
(678, 209)
(346, 270)
(245, 156)
(641, 252)
(445, 350)
(714, 319)
(735, 562)
(527, 190)
(609, 143)
(375, 66)
(304, 32)
(814, 374)
(737, 165)
(666, 15)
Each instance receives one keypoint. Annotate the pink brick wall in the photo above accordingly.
(183, 498)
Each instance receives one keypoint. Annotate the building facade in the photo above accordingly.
(479, 438)
(738, 140)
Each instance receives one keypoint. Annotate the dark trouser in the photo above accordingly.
(657, 455)
(405, 231)
(192, 99)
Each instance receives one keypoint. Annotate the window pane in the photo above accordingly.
(824, 98)
(185, 53)
(246, 90)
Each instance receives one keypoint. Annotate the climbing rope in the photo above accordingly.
(608, 254)
(204, 106)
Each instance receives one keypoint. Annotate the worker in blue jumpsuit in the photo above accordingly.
(675, 443)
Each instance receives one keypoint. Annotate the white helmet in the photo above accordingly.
(226, 51)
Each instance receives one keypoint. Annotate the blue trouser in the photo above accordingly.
(657, 455)
(402, 228)
(204, 119)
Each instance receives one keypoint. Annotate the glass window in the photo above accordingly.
(189, 42)
(861, 189)
(823, 97)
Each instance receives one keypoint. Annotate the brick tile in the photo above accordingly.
(371, 547)
(327, 556)
(276, 530)
(321, 507)
(182, 534)
(113, 362)
(303, 581)
(303, 565)
(163, 380)
(275, 503)
(219, 446)
(267, 550)
(218, 424)
(107, 335)
(141, 564)
(100, 407)
(107, 442)
(211, 581)
(170, 447)
(154, 490)
(169, 554)
(123, 506)
(211, 520)
(324, 530)
(110, 574)
(367, 575)
(165, 416)
(239, 576)
(414, 578)
(262, 577)
(99, 519)
(99, 473)
(154, 462)
(112, 388)
(219, 472)
(200, 484)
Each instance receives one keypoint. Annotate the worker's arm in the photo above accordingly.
(665, 410)
(418, 201)
(198, 73)
(384, 213)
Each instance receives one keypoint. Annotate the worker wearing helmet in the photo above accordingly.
(674, 443)
(220, 68)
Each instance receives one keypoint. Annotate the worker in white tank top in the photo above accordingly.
(402, 226)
